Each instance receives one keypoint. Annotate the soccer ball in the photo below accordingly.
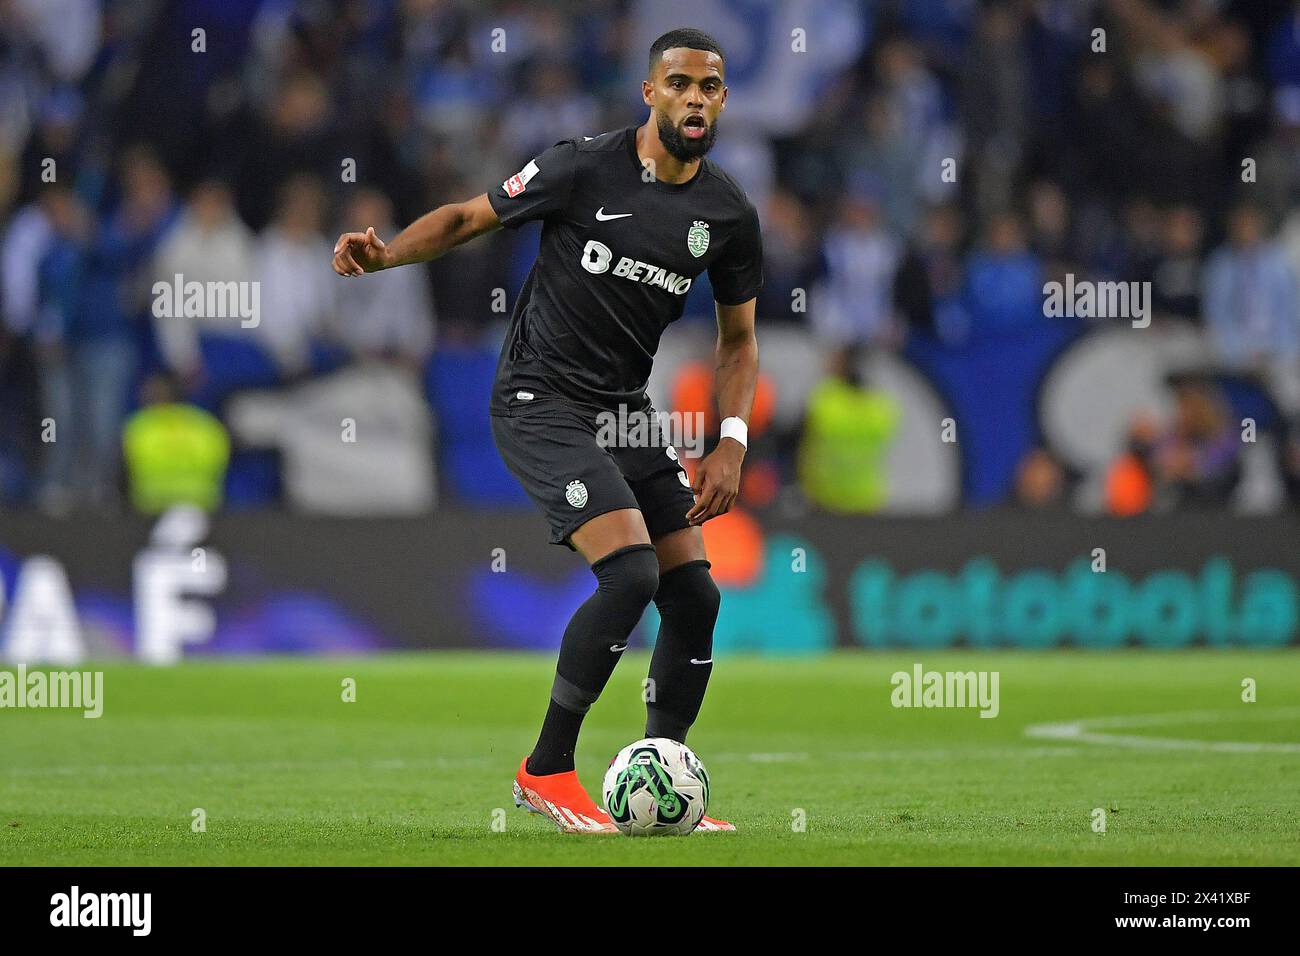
(656, 787)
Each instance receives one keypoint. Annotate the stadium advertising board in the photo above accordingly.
(254, 584)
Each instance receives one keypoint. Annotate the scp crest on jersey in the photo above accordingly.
(697, 240)
(575, 493)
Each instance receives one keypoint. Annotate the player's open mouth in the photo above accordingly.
(694, 127)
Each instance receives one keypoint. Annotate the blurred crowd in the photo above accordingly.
(920, 171)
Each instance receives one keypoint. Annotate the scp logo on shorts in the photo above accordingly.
(575, 493)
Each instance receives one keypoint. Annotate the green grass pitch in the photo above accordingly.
(418, 769)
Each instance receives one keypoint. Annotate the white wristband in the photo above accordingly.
(736, 428)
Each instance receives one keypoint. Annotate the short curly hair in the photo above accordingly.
(683, 37)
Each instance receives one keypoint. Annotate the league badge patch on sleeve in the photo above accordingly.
(519, 181)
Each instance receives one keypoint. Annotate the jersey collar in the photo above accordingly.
(629, 137)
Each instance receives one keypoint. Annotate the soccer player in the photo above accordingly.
(630, 219)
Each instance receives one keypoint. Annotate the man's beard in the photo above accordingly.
(679, 147)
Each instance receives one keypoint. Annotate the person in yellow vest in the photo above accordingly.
(175, 453)
(848, 429)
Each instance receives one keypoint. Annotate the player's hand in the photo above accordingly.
(357, 253)
(717, 482)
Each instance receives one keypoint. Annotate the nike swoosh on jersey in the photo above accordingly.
(708, 661)
(617, 647)
(601, 217)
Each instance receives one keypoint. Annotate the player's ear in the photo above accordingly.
(722, 104)
(648, 92)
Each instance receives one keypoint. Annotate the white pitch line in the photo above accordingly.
(1086, 731)
(429, 763)
(1075, 731)
(945, 753)
(433, 763)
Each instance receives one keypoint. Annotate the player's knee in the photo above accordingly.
(631, 573)
(691, 590)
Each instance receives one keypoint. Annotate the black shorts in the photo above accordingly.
(556, 452)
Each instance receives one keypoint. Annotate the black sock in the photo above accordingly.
(593, 643)
(688, 603)
(554, 750)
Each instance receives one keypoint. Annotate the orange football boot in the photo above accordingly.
(561, 799)
(710, 825)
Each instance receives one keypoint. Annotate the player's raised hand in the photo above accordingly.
(357, 253)
(717, 482)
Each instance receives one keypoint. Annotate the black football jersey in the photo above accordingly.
(618, 255)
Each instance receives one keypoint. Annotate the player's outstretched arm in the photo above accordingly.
(717, 480)
(432, 235)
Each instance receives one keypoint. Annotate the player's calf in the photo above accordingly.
(595, 639)
(688, 602)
